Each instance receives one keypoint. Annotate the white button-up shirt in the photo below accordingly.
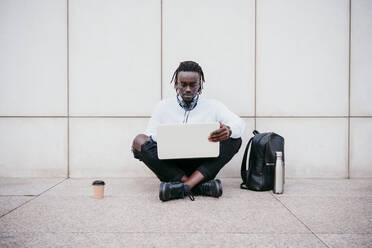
(168, 111)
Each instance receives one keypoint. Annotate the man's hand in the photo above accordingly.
(221, 134)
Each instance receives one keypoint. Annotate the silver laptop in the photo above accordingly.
(187, 141)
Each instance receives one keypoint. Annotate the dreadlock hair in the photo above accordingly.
(189, 66)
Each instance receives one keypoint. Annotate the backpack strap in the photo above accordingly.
(244, 163)
(255, 132)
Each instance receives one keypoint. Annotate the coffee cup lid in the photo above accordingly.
(98, 182)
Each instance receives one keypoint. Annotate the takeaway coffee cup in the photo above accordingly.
(98, 189)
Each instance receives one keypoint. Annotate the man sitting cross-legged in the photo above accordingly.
(188, 177)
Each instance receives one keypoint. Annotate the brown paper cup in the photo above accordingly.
(98, 189)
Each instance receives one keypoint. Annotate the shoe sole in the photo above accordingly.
(218, 187)
(162, 192)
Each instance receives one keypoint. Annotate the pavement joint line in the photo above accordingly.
(300, 220)
(17, 195)
(33, 198)
(195, 232)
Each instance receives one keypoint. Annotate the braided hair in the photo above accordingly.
(189, 66)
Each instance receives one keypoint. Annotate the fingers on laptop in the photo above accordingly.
(219, 135)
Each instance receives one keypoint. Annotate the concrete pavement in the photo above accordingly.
(58, 212)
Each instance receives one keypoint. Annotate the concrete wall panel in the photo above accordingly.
(33, 57)
(114, 57)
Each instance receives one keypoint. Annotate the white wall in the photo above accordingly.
(79, 79)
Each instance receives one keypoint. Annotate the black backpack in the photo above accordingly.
(261, 166)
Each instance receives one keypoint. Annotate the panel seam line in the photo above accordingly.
(299, 220)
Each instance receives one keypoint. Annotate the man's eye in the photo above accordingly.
(191, 85)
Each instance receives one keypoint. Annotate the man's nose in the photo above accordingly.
(188, 88)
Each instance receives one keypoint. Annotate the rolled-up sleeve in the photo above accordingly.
(230, 119)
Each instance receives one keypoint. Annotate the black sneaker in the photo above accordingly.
(174, 190)
(209, 188)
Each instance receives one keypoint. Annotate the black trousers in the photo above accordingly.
(172, 170)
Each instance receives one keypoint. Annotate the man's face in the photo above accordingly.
(188, 84)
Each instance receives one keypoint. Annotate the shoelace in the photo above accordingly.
(189, 193)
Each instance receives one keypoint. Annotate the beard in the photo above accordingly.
(188, 98)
